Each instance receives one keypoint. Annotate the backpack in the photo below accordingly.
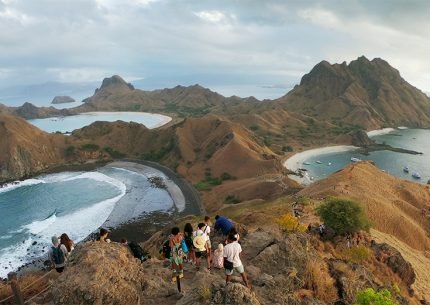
(166, 249)
(184, 246)
(58, 255)
(137, 251)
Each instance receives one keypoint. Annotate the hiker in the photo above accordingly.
(348, 241)
(67, 242)
(218, 257)
(103, 235)
(207, 232)
(200, 244)
(232, 253)
(124, 242)
(321, 229)
(57, 254)
(236, 235)
(223, 225)
(188, 236)
(177, 254)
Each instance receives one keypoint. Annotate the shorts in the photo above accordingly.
(201, 254)
(239, 269)
(208, 244)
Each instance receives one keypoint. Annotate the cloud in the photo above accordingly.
(238, 42)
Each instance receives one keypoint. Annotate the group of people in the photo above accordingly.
(193, 245)
(60, 251)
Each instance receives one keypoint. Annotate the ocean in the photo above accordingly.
(70, 123)
(76, 203)
(322, 165)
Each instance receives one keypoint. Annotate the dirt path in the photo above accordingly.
(419, 261)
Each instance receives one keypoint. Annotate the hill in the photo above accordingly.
(24, 149)
(370, 94)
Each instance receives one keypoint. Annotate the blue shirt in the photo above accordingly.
(223, 224)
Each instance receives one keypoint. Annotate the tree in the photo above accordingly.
(371, 297)
(342, 215)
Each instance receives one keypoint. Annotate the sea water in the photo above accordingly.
(391, 162)
(76, 203)
(70, 123)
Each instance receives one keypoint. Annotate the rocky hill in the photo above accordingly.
(370, 94)
(24, 149)
(61, 99)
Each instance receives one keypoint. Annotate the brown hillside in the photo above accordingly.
(394, 206)
(24, 149)
(371, 94)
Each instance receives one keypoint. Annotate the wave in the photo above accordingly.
(39, 225)
(17, 184)
(379, 132)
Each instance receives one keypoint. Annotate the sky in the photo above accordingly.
(240, 47)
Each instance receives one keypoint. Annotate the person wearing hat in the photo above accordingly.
(58, 254)
(200, 244)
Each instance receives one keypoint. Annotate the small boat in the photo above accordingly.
(329, 164)
(416, 175)
(406, 169)
(306, 163)
(318, 162)
(353, 159)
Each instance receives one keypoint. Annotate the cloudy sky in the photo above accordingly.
(241, 47)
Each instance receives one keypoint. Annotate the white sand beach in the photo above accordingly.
(379, 132)
(296, 161)
(164, 119)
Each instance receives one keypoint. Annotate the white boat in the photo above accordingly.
(406, 169)
(416, 175)
(353, 159)
(329, 164)
(318, 162)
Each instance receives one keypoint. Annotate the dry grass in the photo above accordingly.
(356, 255)
(318, 279)
(204, 292)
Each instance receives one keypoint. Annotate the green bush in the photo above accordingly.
(90, 147)
(157, 155)
(342, 215)
(287, 148)
(70, 151)
(232, 199)
(371, 297)
(254, 127)
(226, 176)
(206, 185)
(356, 254)
(114, 153)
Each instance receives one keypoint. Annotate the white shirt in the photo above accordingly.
(207, 231)
(231, 252)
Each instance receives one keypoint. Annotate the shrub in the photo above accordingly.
(232, 199)
(226, 176)
(114, 153)
(342, 215)
(289, 223)
(371, 297)
(254, 127)
(356, 254)
(303, 200)
(204, 292)
(90, 147)
(70, 151)
(287, 148)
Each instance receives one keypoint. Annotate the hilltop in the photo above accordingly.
(369, 94)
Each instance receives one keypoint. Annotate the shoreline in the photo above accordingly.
(295, 162)
(142, 226)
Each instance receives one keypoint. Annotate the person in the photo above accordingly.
(321, 229)
(177, 254)
(200, 243)
(57, 254)
(218, 257)
(348, 240)
(236, 235)
(124, 242)
(188, 236)
(222, 224)
(103, 236)
(67, 242)
(232, 253)
(206, 233)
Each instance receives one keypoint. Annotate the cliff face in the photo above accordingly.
(367, 93)
(24, 149)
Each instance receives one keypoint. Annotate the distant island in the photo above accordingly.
(62, 99)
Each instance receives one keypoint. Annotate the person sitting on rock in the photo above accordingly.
(218, 257)
(232, 261)
(104, 235)
(58, 254)
(177, 254)
(222, 224)
(67, 242)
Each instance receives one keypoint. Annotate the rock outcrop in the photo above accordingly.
(61, 99)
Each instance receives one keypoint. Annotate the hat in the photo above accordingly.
(54, 239)
(199, 242)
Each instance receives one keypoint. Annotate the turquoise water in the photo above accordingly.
(70, 123)
(76, 203)
(391, 162)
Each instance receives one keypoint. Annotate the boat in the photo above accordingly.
(318, 162)
(353, 159)
(306, 163)
(416, 175)
(406, 169)
(329, 164)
